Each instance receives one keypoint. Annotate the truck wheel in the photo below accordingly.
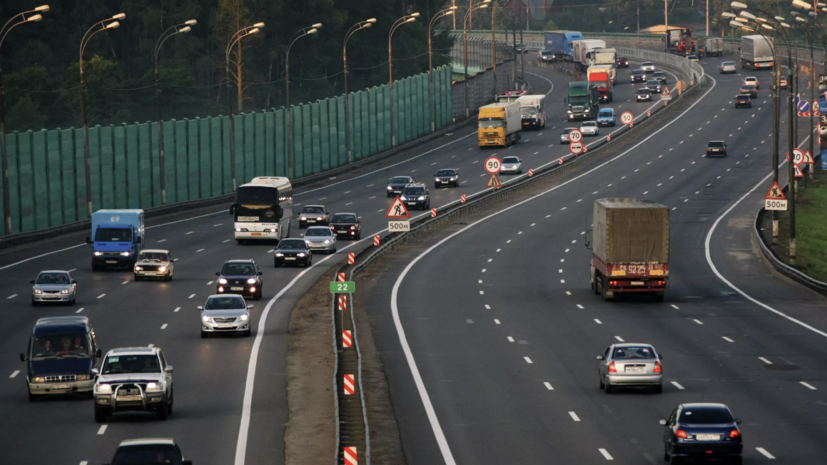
(603, 286)
(658, 297)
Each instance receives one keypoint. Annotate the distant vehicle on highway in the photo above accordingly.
(638, 75)
(606, 117)
(752, 80)
(263, 209)
(654, 86)
(715, 147)
(117, 238)
(520, 48)
(153, 450)
(315, 215)
(622, 62)
(292, 252)
(54, 286)
(223, 313)
(320, 239)
(347, 225)
(511, 165)
(728, 67)
(749, 90)
(242, 277)
(648, 66)
(783, 82)
(446, 177)
(154, 263)
(659, 76)
(133, 379)
(589, 128)
(693, 58)
(702, 430)
(630, 365)
(416, 196)
(743, 101)
(643, 95)
(546, 56)
(564, 136)
(397, 183)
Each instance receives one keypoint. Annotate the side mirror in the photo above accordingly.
(250, 306)
(186, 462)
(737, 421)
(600, 357)
(232, 209)
(22, 357)
(588, 239)
(98, 353)
(138, 240)
(200, 307)
(565, 100)
(660, 357)
(74, 281)
(358, 218)
(662, 422)
(168, 369)
(260, 273)
(31, 282)
(88, 240)
(95, 372)
(218, 273)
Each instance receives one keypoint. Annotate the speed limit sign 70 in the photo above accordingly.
(575, 135)
(627, 117)
(493, 165)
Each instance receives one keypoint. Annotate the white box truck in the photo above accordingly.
(756, 52)
(533, 110)
(582, 47)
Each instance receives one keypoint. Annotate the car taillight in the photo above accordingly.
(612, 368)
(735, 434)
(680, 434)
(657, 367)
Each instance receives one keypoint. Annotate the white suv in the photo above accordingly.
(133, 378)
(751, 81)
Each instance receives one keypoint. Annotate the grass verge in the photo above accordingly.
(810, 227)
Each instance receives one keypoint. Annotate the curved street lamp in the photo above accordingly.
(403, 20)
(3, 33)
(356, 27)
(174, 30)
(441, 14)
(305, 31)
(478, 6)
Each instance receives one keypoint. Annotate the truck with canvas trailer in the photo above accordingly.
(581, 50)
(630, 247)
(602, 56)
(582, 101)
(560, 42)
(499, 124)
(714, 47)
(756, 52)
(600, 78)
(679, 41)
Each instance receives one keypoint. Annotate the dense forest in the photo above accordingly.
(40, 60)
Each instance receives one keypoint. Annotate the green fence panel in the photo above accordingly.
(373, 128)
(401, 101)
(315, 137)
(296, 142)
(202, 158)
(80, 177)
(355, 126)
(15, 202)
(269, 142)
(248, 149)
(107, 168)
(240, 157)
(280, 136)
(386, 118)
(225, 158)
(154, 161)
(170, 162)
(40, 167)
(120, 166)
(54, 184)
(260, 146)
(424, 105)
(336, 129)
(133, 167)
(26, 179)
(68, 194)
(307, 142)
(193, 160)
(94, 135)
(324, 132)
(215, 149)
(145, 152)
(182, 172)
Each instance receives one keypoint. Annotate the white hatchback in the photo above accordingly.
(648, 66)
(589, 128)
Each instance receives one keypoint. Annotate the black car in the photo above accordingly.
(292, 252)
(446, 177)
(346, 225)
(750, 90)
(715, 147)
(416, 196)
(643, 94)
(638, 75)
(520, 48)
(622, 62)
(743, 101)
(654, 86)
(239, 277)
(314, 215)
(397, 183)
(702, 431)
(546, 56)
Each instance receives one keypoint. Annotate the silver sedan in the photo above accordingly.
(225, 313)
(511, 165)
(320, 239)
(589, 128)
(630, 365)
(54, 286)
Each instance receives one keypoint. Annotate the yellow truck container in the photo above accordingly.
(499, 124)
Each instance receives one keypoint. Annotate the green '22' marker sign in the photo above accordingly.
(345, 287)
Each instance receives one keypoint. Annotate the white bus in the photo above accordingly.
(263, 209)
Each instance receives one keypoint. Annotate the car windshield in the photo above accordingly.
(568, 130)
(60, 345)
(344, 218)
(225, 303)
(511, 160)
(153, 256)
(414, 191)
(637, 72)
(605, 113)
(319, 210)
(400, 180)
(589, 124)
(294, 244)
(647, 63)
(742, 97)
(491, 123)
(147, 453)
(643, 91)
(705, 416)
(445, 173)
(633, 353)
(748, 87)
(692, 57)
(529, 111)
(715, 144)
(238, 269)
(120, 364)
(659, 74)
(728, 63)
(113, 235)
(317, 232)
(53, 278)
(547, 53)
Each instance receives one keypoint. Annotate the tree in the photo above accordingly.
(25, 115)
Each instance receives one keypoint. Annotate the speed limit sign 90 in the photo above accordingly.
(627, 117)
(575, 135)
(493, 165)
(799, 156)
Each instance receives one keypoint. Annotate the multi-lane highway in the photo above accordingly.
(230, 392)
(489, 331)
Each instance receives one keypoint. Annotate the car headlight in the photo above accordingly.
(304, 218)
(162, 269)
(103, 388)
(452, 179)
(222, 281)
(353, 227)
(64, 291)
(302, 254)
(568, 111)
(155, 386)
(38, 291)
(98, 254)
(83, 377)
(327, 241)
(319, 219)
(238, 229)
(244, 317)
(436, 179)
(251, 281)
(421, 197)
(390, 188)
(39, 379)
(138, 268)
(206, 319)
(403, 198)
(279, 254)
(126, 254)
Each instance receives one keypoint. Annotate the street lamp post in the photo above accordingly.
(446, 12)
(3, 32)
(113, 24)
(234, 39)
(174, 30)
(356, 27)
(305, 31)
(403, 20)
(471, 9)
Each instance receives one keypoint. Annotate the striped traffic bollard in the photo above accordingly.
(560, 160)
(530, 172)
(350, 386)
(648, 113)
(351, 258)
(341, 277)
(350, 456)
(680, 91)
(630, 125)
(462, 197)
(341, 303)
(609, 138)
(347, 340)
(376, 239)
(665, 103)
(433, 212)
(585, 148)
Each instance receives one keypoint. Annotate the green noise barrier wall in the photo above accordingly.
(47, 178)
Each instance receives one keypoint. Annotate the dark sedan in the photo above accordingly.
(292, 252)
(397, 183)
(622, 62)
(702, 431)
(346, 225)
(239, 277)
(716, 147)
(446, 178)
(749, 90)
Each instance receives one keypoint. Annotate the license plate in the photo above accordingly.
(59, 386)
(444, 181)
(343, 231)
(149, 273)
(492, 142)
(255, 234)
(635, 369)
(236, 288)
(225, 326)
(637, 283)
(411, 203)
(289, 258)
(708, 437)
(111, 261)
(311, 221)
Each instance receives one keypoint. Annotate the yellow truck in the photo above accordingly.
(499, 124)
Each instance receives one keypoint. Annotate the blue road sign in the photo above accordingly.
(803, 106)
(824, 159)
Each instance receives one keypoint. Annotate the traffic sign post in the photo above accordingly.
(493, 165)
(808, 158)
(494, 182)
(798, 172)
(627, 118)
(399, 226)
(576, 148)
(666, 94)
(798, 156)
(398, 210)
(575, 135)
(346, 287)
(775, 199)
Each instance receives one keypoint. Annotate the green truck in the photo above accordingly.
(583, 101)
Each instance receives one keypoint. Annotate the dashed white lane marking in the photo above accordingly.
(645, 192)
(480, 281)
(562, 260)
(548, 385)
(698, 321)
(563, 208)
(598, 321)
(164, 326)
(580, 307)
(483, 174)
(162, 240)
(101, 296)
(510, 339)
(619, 339)
(535, 153)
(487, 307)
(15, 373)
(463, 182)
(678, 385)
(469, 321)
(579, 200)
(228, 240)
(498, 250)
(686, 200)
(562, 281)
(803, 383)
(594, 193)
(432, 164)
(102, 430)
(371, 198)
(187, 234)
(216, 225)
(322, 198)
(496, 321)
(349, 203)
(490, 260)
(574, 241)
(548, 216)
(519, 232)
(11, 296)
(574, 416)
(568, 293)
(727, 339)
(765, 453)
(606, 454)
(508, 241)
(536, 223)
(675, 307)
(660, 184)
(482, 292)
(567, 250)
(765, 360)
(560, 270)
(84, 462)
(177, 309)
(191, 296)
(528, 360)
(674, 208)
(124, 282)
(73, 269)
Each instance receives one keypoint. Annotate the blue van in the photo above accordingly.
(116, 238)
(606, 117)
(61, 354)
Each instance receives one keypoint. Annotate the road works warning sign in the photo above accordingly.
(775, 199)
(397, 210)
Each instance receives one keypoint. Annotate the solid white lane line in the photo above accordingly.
(487, 307)
(199, 250)
(606, 454)
(574, 416)
(187, 234)
(15, 373)
(765, 453)
(803, 383)
(176, 309)
(101, 296)
(191, 296)
(102, 430)
(510, 339)
(620, 339)
(727, 339)
(698, 321)
(124, 282)
(678, 385)
(765, 360)
(80, 310)
(11, 296)
(598, 321)
(528, 360)
(580, 307)
(496, 321)
(548, 385)
(164, 326)
(210, 283)
(675, 307)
